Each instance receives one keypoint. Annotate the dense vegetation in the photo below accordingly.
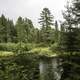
(22, 44)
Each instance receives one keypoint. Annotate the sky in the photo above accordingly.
(31, 9)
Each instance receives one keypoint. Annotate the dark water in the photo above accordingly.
(50, 69)
(64, 68)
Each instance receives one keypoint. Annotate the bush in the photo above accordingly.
(8, 46)
(29, 46)
(6, 54)
(20, 67)
(54, 47)
(15, 47)
(42, 45)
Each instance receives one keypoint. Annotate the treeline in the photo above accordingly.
(24, 30)
(66, 36)
(7, 30)
(13, 33)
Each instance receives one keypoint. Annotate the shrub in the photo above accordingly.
(54, 47)
(20, 67)
(15, 47)
(42, 45)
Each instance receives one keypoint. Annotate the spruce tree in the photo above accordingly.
(70, 40)
(76, 11)
(56, 31)
(46, 21)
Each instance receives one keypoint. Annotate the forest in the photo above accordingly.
(26, 50)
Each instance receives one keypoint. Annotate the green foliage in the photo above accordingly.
(7, 30)
(33, 43)
(71, 67)
(6, 54)
(13, 47)
(24, 29)
(42, 45)
(43, 51)
(55, 48)
(28, 46)
(69, 40)
(8, 46)
(56, 32)
(21, 67)
(69, 35)
(75, 10)
(46, 21)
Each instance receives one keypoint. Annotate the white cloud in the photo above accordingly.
(30, 8)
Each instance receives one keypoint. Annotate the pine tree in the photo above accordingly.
(76, 11)
(46, 21)
(56, 32)
(25, 30)
(69, 41)
(29, 29)
(3, 29)
(19, 29)
(11, 31)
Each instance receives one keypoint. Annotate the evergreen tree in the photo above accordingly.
(20, 29)
(37, 35)
(76, 11)
(46, 21)
(3, 28)
(11, 31)
(69, 41)
(7, 30)
(29, 30)
(25, 30)
(56, 32)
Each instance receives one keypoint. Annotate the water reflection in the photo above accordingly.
(50, 69)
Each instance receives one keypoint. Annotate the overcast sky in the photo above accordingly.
(30, 8)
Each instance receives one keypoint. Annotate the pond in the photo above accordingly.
(64, 67)
(50, 68)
